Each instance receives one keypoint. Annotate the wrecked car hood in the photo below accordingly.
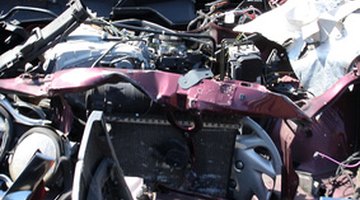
(320, 37)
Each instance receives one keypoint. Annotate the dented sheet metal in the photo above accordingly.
(321, 38)
(318, 104)
(210, 95)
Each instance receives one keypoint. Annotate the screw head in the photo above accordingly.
(232, 183)
(239, 165)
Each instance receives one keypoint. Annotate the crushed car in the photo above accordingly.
(205, 105)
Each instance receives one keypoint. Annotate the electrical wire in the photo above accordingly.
(344, 164)
(96, 62)
(162, 31)
(210, 17)
(108, 27)
(105, 53)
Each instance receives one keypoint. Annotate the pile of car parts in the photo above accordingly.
(198, 106)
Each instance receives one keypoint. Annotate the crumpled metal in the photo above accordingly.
(327, 28)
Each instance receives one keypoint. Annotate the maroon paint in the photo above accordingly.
(318, 104)
(210, 95)
(327, 133)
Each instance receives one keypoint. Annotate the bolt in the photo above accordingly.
(239, 165)
(232, 183)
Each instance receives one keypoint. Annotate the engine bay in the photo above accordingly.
(177, 100)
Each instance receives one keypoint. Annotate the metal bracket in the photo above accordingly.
(193, 77)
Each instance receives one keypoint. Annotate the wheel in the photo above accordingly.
(256, 162)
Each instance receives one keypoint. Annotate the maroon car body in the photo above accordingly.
(324, 124)
(210, 95)
(228, 97)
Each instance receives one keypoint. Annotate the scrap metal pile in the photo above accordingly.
(181, 99)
